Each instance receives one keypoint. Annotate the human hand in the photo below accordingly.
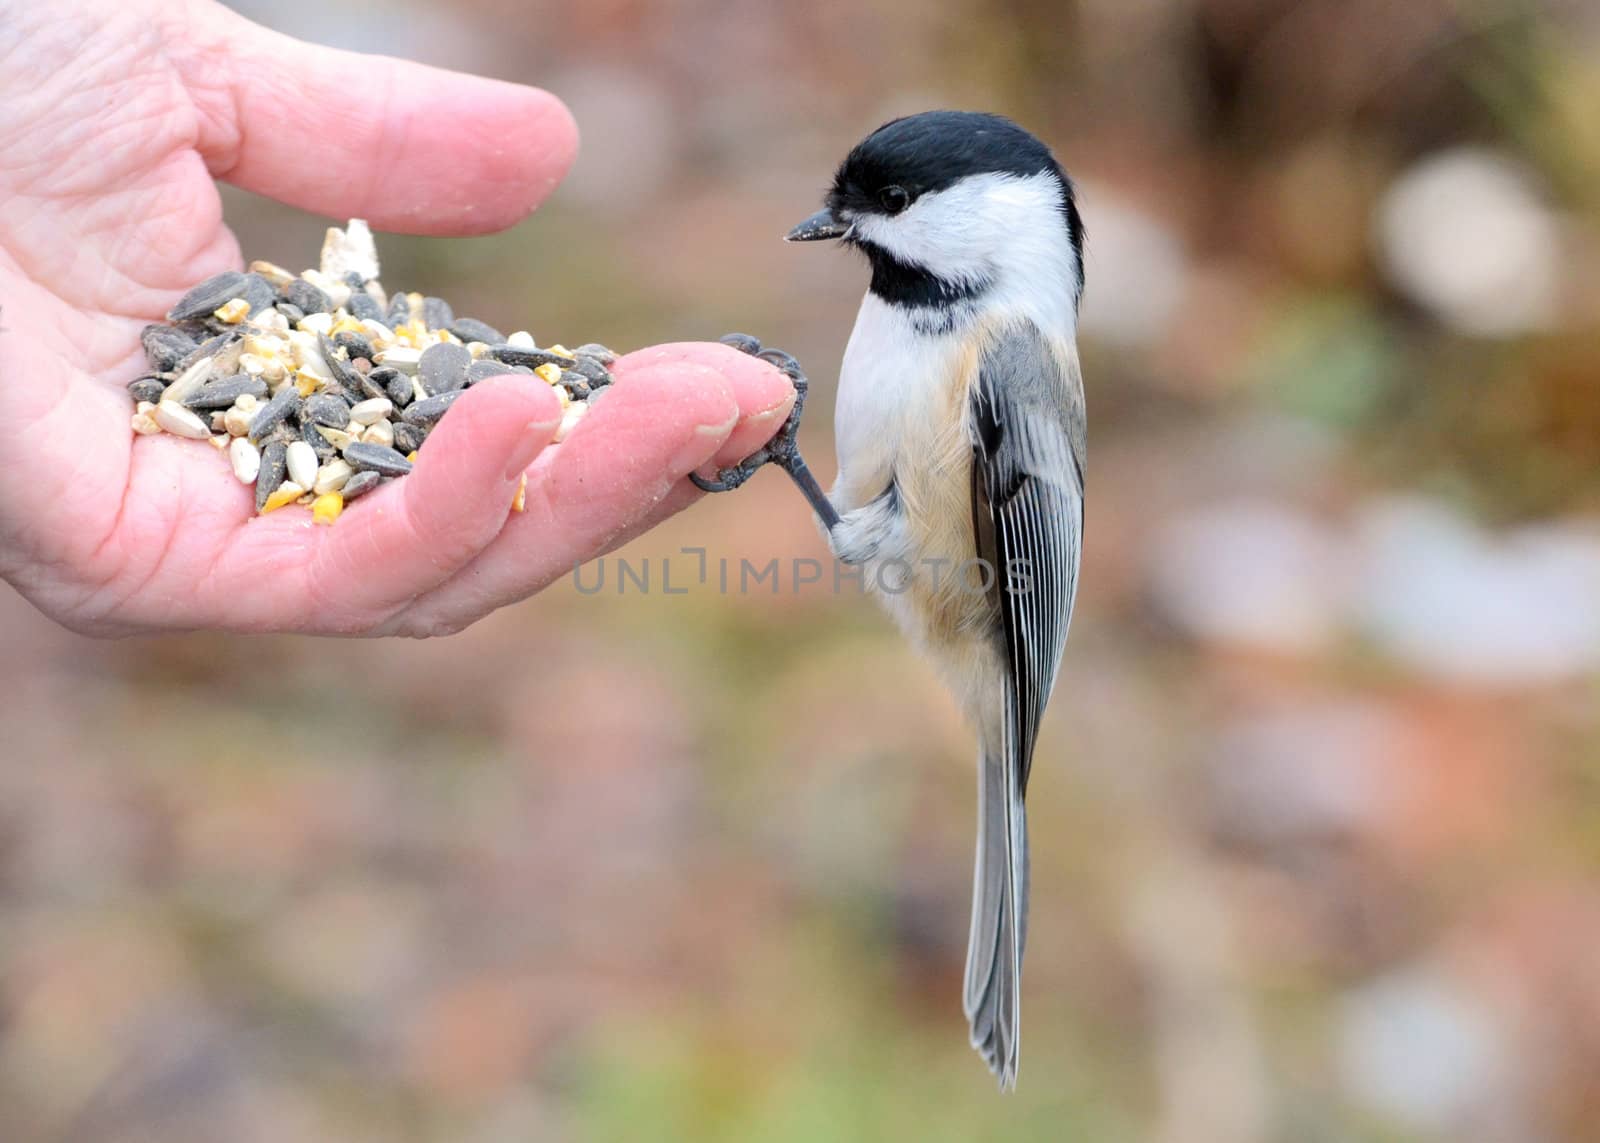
(115, 117)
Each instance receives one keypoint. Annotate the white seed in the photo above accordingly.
(180, 422)
(188, 382)
(401, 357)
(253, 365)
(272, 272)
(308, 355)
(380, 335)
(349, 249)
(317, 323)
(271, 320)
(574, 413)
(371, 412)
(266, 343)
(338, 293)
(477, 349)
(332, 476)
(218, 423)
(246, 460)
(522, 339)
(220, 443)
(144, 424)
(302, 462)
(338, 438)
(381, 433)
(237, 421)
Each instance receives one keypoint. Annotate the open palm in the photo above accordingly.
(114, 120)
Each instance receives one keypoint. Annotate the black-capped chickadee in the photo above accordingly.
(961, 430)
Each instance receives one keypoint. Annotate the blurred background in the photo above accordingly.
(1316, 816)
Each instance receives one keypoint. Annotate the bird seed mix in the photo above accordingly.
(321, 386)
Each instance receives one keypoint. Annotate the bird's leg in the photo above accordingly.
(782, 450)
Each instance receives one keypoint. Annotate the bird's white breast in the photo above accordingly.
(895, 389)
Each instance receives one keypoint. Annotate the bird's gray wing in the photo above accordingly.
(1027, 424)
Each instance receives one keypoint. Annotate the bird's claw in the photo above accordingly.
(782, 449)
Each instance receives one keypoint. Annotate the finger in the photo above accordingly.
(406, 538)
(408, 147)
(672, 410)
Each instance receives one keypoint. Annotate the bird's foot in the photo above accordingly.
(782, 449)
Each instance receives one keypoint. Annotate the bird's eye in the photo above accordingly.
(894, 199)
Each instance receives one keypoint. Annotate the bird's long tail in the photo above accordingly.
(999, 910)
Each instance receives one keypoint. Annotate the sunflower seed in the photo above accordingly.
(590, 369)
(354, 345)
(307, 298)
(165, 346)
(377, 458)
(222, 393)
(274, 466)
(426, 413)
(360, 484)
(399, 311)
(246, 460)
(208, 295)
(363, 308)
(408, 438)
(326, 409)
(188, 382)
(311, 434)
(517, 355)
(471, 329)
(259, 292)
(599, 352)
(346, 375)
(147, 389)
(479, 370)
(436, 313)
(399, 390)
(576, 384)
(443, 367)
(292, 314)
(274, 413)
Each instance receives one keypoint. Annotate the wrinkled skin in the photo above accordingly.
(115, 117)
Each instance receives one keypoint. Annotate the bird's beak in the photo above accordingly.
(823, 224)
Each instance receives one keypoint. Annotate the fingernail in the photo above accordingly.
(535, 436)
(702, 444)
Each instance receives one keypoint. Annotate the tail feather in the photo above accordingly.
(992, 996)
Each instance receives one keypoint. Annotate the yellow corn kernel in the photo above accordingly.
(446, 335)
(232, 312)
(561, 349)
(345, 324)
(286, 493)
(325, 509)
(550, 371)
(412, 456)
(305, 384)
(521, 502)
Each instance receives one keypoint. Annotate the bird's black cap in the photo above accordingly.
(935, 150)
